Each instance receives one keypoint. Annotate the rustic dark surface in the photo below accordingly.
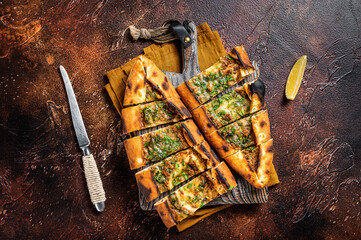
(317, 137)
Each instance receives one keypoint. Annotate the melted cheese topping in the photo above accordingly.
(157, 113)
(229, 107)
(178, 168)
(217, 78)
(239, 134)
(161, 143)
(192, 196)
(151, 94)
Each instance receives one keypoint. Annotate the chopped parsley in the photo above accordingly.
(230, 188)
(161, 145)
(159, 177)
(237, 105)
(155, 111)
(210, 84)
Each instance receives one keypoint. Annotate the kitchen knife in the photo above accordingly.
(95, 185)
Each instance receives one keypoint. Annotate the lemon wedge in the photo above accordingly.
(295, 78)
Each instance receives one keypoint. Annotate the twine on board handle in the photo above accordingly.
(163, 34)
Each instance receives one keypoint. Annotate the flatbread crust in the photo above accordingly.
(135, 146)
(266, 155)
(191, 133)
(179, 106)
(165, 213)
(244, 69)
(190, 99)
(206, 125)
(222, 180)
(132, 120)
(256, 92)
(240, 53)
(206, 152)
(220, 144)
(158, 79)
(260, 128)
(143, 72)
(135, 88)
(259, 178)
(149, 186)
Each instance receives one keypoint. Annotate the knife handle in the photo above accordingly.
(95, 185)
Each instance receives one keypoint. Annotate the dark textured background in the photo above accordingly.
(317, 137)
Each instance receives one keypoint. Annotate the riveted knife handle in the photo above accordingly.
(94, 182)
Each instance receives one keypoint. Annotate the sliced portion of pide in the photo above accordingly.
(147, 83)
(157, 145)
(253, 163)
(175, 169)
(229, 70)
(252, 130)
(229, 107)
(153, 114)
(201, 190)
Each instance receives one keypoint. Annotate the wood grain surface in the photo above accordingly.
(317, 137)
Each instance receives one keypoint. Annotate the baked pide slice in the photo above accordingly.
(229, 107)
(153, 114)
(229, 70)
(246, 132)
(159, 144)
(201, 190)
(174, 170)
(147, 83)
(253, 163)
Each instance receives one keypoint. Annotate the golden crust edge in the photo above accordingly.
(187, 96)
(206, 152)
(239, 52)
(266, 159)
(261, 126)
(135, 80)
(203, 121)
(147, 184)
(158, 79)
(134, 150)
(256, 103)
(257, 179)
(179, 106)
(222, 147)
(131, 124)
(191, 133)
(222, 175)
(240, 165)
(165, 213)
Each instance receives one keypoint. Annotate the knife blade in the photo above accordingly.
(94, 183)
